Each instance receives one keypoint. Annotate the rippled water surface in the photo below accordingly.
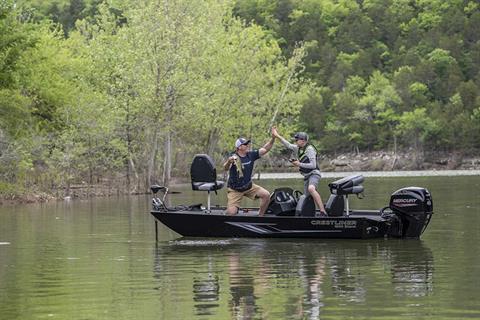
(98, 259)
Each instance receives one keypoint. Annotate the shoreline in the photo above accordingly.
(341, 174)
(43, 197)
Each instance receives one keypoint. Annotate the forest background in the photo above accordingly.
(112, 96)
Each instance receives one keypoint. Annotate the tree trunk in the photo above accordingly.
(169, 105)
(135, 173)
(394, 151)
(167, 165)
(151, 177)
(418, 147)
(129, 154)
(212, 141)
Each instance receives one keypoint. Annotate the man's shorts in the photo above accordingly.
(235, 197)
(313, 179)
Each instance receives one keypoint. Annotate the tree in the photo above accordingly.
(417, 127)
(191, 73)
(382, 101)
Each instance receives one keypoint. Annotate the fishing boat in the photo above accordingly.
(291, 214)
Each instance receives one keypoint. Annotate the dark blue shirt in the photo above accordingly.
(234, 181)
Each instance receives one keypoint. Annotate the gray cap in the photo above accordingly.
(241, 141)
(301, 136)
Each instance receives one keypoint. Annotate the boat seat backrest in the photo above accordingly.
(348, 185)
(204, 174)
(335, 205)
(305, 206)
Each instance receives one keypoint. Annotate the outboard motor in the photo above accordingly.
(340, 189)
(414, 208)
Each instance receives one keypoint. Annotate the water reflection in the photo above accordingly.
(96, 259)
(242, 287)
(206, 294)
(312, 282)
(411, 269)
(275, 278)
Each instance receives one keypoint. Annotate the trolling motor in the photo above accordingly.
(157, 203)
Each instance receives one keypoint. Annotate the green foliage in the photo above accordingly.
(200, 84)
(8, 190)
(441, 60)
(427, 49)
(417, 127)
(96, 91)
(64, 12)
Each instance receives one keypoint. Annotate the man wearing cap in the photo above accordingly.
(240, 166)
(307, 163)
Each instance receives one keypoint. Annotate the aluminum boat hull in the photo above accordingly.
(358, 225)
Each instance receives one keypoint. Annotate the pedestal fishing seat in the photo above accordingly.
(337, 204)
(204, 175)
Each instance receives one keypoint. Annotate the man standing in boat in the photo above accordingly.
(240, 166)
(307, 163)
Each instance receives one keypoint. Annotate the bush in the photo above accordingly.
(8, 190)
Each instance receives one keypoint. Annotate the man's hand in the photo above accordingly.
(275, 132)
(295, 162)
(230, 161)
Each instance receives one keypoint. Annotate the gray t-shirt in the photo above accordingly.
(310, 152)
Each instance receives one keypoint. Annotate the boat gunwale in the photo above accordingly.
(253, 213)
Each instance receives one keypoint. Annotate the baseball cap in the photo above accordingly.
(301, 136)
(241, 141)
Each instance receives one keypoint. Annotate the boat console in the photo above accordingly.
(283, 202)
(289, 202)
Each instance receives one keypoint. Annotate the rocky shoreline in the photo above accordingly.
(280, 168)
(379, 161)
(389, 161)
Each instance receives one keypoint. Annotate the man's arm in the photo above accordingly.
(267, 147)
(287, 144)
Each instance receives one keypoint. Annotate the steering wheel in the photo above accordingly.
(297, 194)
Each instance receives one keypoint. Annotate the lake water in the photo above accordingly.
(98, 259)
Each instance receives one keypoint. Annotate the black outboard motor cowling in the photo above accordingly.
(414, 207)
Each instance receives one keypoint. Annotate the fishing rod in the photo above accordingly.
(297, 56)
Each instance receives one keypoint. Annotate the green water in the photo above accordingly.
(98, 260)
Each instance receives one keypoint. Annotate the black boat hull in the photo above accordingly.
(291, 216)
(358, 225)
